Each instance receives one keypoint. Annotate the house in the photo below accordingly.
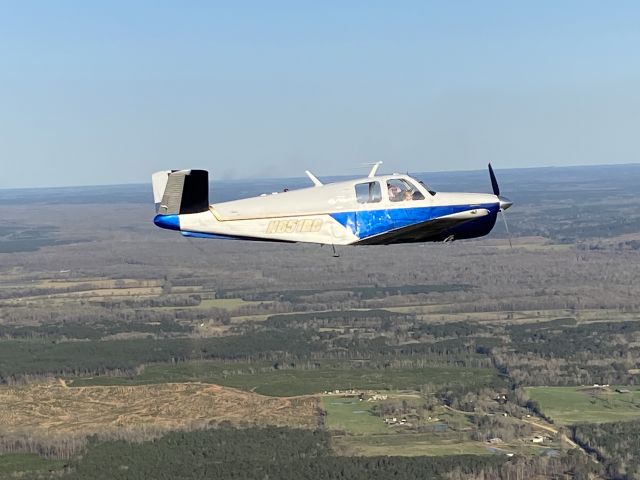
(376, 397)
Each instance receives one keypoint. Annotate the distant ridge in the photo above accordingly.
(606, 176)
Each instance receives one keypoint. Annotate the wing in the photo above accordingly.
(429, 231)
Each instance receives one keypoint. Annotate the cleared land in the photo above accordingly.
(358, 431)
(410, 445)
(570, 405)
(447, 442)
(226, 303)
(352, 415)
(54, 408)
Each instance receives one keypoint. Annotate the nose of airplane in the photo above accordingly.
(504, 202)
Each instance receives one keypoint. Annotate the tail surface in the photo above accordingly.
(177, 192)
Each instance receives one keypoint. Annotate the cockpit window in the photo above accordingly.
(402, 191)
(369, 192)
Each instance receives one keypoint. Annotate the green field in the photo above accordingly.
(356, 417)
(431, 444)
(19, 465)
(226, 303)
(570, 405)
(412, 444)
(352, 415)
(265, 380)
(368, 435)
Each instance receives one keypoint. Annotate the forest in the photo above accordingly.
(557, 352)
(289, 454)
(448, 338)
(615, 444)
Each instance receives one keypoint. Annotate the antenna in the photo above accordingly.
(374, 169)
(313, 178)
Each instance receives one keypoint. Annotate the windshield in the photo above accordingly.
(402, 191)
(431, 191)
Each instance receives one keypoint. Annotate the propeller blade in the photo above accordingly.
(506, 226)
(504, 202)
(494, 182)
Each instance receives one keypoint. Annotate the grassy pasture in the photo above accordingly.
(437, 313)
(570, 405)
(352, 415)
(226, 303)
(110, 292)
(357, 417)
(410, 445)
(368, 435)
(93, 283)
(250, 318)
(430, 444)
(263, 379)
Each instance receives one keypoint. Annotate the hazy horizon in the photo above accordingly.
(102, 94)
(213, 179)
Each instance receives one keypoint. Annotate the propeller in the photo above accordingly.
(504, 202)
(494, 182)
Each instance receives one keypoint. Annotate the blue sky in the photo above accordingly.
(108, 92)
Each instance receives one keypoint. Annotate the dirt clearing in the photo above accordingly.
(53, 408)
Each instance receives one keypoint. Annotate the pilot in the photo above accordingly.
(395, 194)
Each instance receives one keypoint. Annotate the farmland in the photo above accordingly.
(109, 326)
(413, 445)
(572, 405)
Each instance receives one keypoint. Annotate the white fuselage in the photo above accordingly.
(337, 214)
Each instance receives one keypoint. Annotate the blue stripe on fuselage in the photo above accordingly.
(366, 223)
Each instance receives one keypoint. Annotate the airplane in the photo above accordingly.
(374, 210)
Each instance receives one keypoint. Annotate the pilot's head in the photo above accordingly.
(394, 193)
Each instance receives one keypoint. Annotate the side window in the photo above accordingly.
(368, 192)
(402, 191)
